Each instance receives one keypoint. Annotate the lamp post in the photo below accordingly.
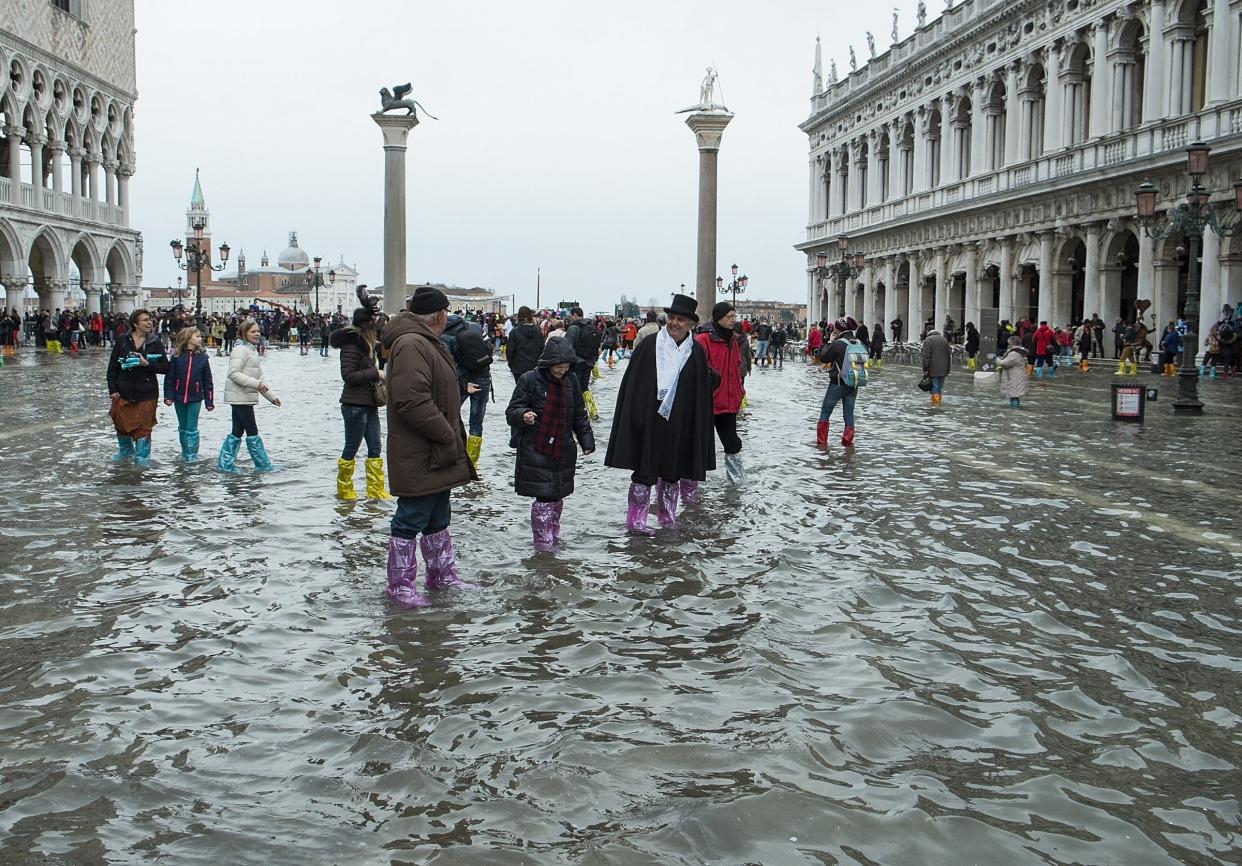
(1191, 219)
(196, 259)
(846, 269)
(736, 287)
(314, 279)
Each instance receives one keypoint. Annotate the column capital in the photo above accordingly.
(708, 128)
(36, 138)
(93, 158)
(76, 153)
(12, 281)
(57, 145)
(396, 128)
(12, 130)
(125, 170)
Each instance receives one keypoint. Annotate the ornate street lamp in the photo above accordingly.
(196, 259)
(847, 268)
(737, 286)
(314, 279)
(1190, 220)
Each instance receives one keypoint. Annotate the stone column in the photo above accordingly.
(896, 154)
(1091, 272)
(75, 171)
(93, 291)
(1177, 83)
(124, 300)
(36, 169)
(914, 301)
(874, 170)
(971, 311)
(13, 136)
(949, 135)
(58, 153)
(942, 288)
(92, 176)
(1013, 114)
(110, 181)
(812, 206)
(1110, 296)
(922, 174)
(1145, 287)
(978, 129)
(1101, 83)
(1220, 44)
(1046, 277)
(811, 290)
(122, 192)
(395, 129)
(853, 186)
(1005, 277)
(1053, 89)
(1210, 295)
(1155, 88)
(14, 292)
(1164, 305)
(708, 128)
(867, 313)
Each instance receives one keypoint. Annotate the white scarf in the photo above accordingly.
(670, 358)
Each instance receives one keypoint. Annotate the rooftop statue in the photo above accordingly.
(895, 39)
(870, 43)
(397, 100)
(707, 95)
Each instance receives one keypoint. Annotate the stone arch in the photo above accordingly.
(120, 265)
(19, 77)
(84, 256)
(11, 259)
(1119, 253)
(45, 258)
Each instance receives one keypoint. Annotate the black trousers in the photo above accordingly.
(243, 420)
(726, 429)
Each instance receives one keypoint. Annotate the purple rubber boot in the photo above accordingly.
(542, 519)
(689, 492)
(402, 573)
(438, 557)
(640, 501)
(556, 520)
(666, 502)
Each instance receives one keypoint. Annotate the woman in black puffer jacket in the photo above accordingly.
(358, 401)
(546, 413)
(524, 344)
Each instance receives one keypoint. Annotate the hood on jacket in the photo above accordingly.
(557, 351)
(348, 336)
(401, 324)
(454, 325)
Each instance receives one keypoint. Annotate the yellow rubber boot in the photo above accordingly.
(474, 444)
(376, 488)
(594, 372)
(345, 479)
(589, 400)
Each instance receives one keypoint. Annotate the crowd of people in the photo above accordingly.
(682, 389)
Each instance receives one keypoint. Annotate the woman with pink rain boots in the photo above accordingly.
(547, 412)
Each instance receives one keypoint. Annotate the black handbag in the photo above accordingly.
(925, 383)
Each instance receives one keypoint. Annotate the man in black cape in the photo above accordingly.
(662, 424)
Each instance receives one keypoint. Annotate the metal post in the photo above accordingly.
(1187, 402)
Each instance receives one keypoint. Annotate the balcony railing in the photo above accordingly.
(1149, 140)
(65, 204)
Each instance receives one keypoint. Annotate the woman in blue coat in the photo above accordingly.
(546, 413)
(187, 387)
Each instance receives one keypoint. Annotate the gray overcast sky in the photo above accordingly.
(557, 145)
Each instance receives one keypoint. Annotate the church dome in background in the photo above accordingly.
(293, 257)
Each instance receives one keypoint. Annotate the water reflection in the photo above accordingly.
(983, 636)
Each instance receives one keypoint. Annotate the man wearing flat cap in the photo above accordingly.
(662, 424)
(426, 446)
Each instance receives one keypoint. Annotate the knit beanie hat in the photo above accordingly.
(427, 299)
(721, 310)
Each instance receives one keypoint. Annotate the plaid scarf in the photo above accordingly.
(552, 422)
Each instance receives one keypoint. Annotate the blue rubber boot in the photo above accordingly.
(189, 447)
(124, 448)
(1014, 404)
(1039, 372)
(227, 461)
(258, 455)
(142, 452)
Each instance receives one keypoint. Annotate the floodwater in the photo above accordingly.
(984, 637)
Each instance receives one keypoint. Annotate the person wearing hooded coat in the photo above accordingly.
(524, 345)
(546, 413)
(1013, 380)
(662, 424)
(359, 409)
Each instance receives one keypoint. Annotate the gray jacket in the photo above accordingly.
(936, 355)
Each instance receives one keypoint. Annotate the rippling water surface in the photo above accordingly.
(984, 636)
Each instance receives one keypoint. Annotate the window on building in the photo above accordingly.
(863, 164)
(845, 180)
(72, 7)
(994, 131)
(882, 157)
(962, 132)
(933, 148)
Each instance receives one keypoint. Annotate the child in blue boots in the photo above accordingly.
(187, 387)
(241, 392)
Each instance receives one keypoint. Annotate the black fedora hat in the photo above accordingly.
(684, 306)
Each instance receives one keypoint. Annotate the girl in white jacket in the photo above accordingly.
(241, 391)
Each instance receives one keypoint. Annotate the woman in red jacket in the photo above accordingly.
(1045, 348)
(724, 358)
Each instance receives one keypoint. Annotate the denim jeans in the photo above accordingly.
(840, 394)
(761, 349)
(187, 415)
(937, 383)
(360, 421)
(478, 404)
(425, 514)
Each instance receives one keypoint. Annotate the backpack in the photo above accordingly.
(587, 345)
(853, 372)
(470, 352)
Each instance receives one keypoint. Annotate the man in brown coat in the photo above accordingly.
(426, 446)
